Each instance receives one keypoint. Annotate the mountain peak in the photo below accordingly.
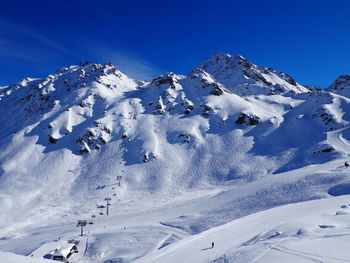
(341, 83)
(225, 60)
(242, 77)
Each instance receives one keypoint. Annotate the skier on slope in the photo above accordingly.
(212, 245)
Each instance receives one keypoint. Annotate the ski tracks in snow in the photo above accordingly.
(308, 256)
(312, 257)
(336, 139)
(268, 249)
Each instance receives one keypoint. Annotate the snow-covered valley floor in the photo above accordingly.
(151, 228)
(313, 231)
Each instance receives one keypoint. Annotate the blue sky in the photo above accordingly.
(307, 39)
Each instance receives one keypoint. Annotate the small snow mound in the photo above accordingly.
(301, 232)
(341, 213)
(326, 226)
(340, 189)
(114, 260)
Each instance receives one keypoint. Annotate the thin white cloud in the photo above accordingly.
(130, 64)
(20, 41)
(6, 49)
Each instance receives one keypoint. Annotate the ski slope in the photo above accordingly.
(148, 226)
(314, 231)
(7, 257)
(337, 140)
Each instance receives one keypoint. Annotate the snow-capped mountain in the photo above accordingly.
(201, 123)
(225, 126)
(341, 85)
(242, 77)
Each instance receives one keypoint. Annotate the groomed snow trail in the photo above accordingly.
(336, 139)
(299, 227)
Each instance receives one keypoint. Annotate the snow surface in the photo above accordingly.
(315, 231)
(200, 157)
(7, 257)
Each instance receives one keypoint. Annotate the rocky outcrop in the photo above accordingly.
(247, 119)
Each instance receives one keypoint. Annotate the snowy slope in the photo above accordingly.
(7, 257)
(143, 225)
(315, 231)
(197, 151)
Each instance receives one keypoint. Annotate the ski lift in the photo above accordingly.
(82, 224)
(119, 179)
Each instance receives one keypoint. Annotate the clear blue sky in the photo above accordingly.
(310, 40)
